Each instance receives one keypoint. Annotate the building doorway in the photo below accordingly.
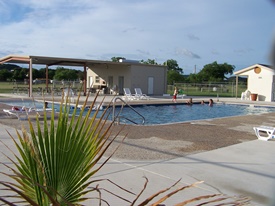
(150, 85)
(120, 84)
(91, 82)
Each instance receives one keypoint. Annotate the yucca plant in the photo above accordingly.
(57, 160)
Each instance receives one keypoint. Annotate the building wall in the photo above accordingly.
(140, 78)
(133, 76)
(261, 84)
(110, 74)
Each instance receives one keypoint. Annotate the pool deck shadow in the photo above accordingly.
(224, 153)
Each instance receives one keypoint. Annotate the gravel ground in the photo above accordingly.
(161, 142)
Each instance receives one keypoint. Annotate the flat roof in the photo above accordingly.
(61, 61)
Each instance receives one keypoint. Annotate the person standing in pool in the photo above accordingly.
(46, 105)
(190, 101)
(175, 94)
(210, 102)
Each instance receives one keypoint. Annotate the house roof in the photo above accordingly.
(264, 66)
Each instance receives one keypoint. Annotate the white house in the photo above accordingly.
(260, 81)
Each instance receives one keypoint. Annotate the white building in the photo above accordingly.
(260, 81)
(150, 78)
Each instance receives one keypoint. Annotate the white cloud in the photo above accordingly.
(187, 53)
(182, 30)
(193, 37)
(215, 52)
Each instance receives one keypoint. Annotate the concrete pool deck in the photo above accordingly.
(245, 167)
(152, 100)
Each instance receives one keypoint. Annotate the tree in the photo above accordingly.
(16, 74)
(9, 67)
(62, 73)
(5, 74)
(215, 71)
(174, 73)
(51, 72)
(36, 74)
(173, 76)
(80, 75)
(23, 74)
(173, 65)
(42, 73)
(149, 61)
(193, 78)
(116, 59)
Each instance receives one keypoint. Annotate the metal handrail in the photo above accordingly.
(116, 116)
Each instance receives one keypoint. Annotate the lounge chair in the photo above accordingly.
(140, 95)
(26, 113)
(128, 95)
(113, 90)
(69, 93)
(15, 113)
(264, 132)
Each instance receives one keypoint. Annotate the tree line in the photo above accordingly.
(212, 72)
(12, 72)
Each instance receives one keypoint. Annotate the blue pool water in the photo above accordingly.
(174, 113)
(165, 114)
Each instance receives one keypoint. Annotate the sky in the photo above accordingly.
(194, 33)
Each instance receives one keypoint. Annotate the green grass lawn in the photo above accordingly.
(21, 87)
(211, 91)
(226, 91)
(11, 87)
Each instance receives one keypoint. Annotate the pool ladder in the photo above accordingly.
(116, 118)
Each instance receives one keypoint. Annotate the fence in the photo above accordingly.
(192, 89)
(39, 88)
(224, 89)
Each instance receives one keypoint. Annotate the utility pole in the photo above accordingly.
(195, 70)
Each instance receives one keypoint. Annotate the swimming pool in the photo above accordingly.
(171, 113)
(165, 114)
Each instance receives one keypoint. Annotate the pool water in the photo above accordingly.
(173, 113)
(164, 114)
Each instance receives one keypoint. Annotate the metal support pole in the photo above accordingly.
(85, 80)
(30, 78)
(237, 79)
(47, 79)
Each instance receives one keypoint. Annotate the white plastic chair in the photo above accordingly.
(140, 95)
(264, 132)
(25, 113)
(128, 95)
(113, 90)
(16, 113)
(245, 95)
(68, 92)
